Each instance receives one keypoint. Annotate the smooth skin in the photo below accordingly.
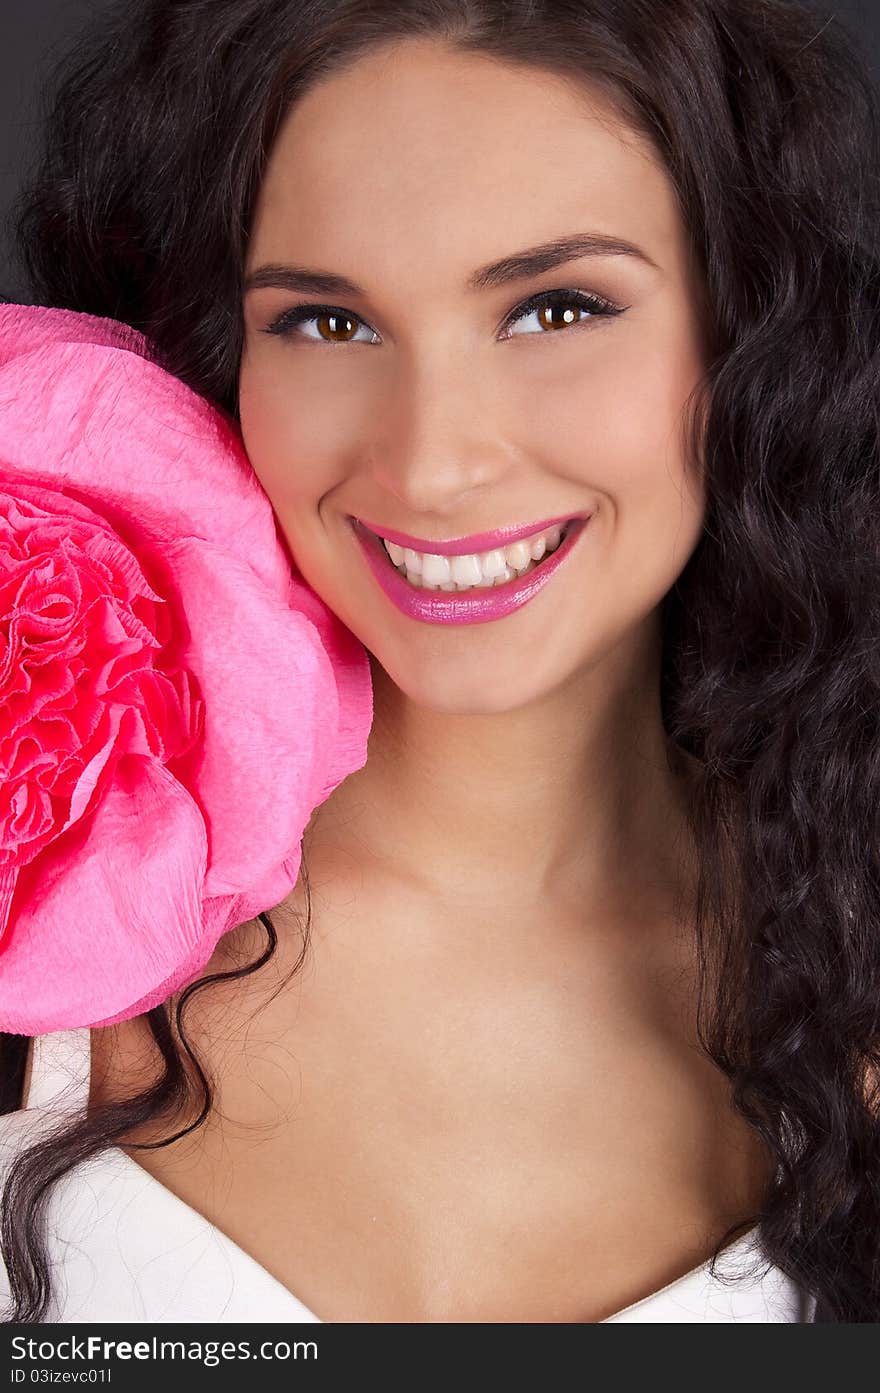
(482, 1099)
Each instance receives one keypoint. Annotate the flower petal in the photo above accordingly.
(271, 714)
(133, 871)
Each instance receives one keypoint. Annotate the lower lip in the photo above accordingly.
(477, 606)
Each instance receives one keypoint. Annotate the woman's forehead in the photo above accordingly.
(454, 157)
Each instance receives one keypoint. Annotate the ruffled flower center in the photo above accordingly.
(85, 675)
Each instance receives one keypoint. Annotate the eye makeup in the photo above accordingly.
(596, 307)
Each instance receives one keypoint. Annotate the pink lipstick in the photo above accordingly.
(476, 606)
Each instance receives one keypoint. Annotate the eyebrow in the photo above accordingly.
(518, 266)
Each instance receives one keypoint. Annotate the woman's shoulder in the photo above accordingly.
(122, 1247)
(83, 1227)
(53, 1083)
(18, 1130)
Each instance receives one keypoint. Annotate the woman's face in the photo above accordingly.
(438, 409)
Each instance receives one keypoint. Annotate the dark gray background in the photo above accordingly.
(36, 32)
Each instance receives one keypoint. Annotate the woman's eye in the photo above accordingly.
(551, 309)
(561, 309)
(339, 324)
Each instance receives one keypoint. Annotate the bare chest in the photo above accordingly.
(416, 1141)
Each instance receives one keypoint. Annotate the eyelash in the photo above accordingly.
(598, 306)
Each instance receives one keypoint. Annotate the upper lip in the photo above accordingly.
(478, 541)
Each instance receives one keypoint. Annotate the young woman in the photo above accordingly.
(579, 1021)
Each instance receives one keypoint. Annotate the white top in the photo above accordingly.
(125, 1248)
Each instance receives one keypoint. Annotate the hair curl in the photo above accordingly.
(766, 118)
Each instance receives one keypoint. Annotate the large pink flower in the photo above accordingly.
(174, 699)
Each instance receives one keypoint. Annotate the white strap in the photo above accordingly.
(60, 1068)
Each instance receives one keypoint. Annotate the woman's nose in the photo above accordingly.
(441, 442)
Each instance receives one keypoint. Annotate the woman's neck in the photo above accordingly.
(576, 798)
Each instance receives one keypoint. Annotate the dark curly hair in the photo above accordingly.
(158, 127)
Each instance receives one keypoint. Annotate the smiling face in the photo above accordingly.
(435, 402)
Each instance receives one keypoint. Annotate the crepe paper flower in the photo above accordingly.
(175, 700)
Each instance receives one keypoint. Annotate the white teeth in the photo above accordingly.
(436, 570)
(518, 555)
(493, 564)
(465, 570)
(411, 559)
(497, 567)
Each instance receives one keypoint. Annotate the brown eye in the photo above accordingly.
(547, 317)
(339, 327)
(334, 325)
(562, 309)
